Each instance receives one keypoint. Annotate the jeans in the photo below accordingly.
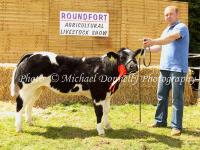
(175, 81)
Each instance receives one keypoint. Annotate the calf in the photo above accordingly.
(98, 75)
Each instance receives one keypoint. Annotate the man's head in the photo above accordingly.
(171, 14)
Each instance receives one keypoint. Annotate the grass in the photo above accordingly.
(73, 126)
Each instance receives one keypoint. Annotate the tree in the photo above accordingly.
(194, 25)
(194, 28)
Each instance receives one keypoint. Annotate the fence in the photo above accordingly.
(196, 74)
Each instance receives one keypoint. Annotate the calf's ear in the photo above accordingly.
(112, 55)
(138, 51)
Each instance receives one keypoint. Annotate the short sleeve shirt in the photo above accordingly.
(174, 56)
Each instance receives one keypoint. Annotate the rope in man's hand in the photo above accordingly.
(143, 52)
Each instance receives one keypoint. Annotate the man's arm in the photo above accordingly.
(162, 40)
(155, 48)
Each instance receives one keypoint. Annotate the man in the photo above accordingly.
(174, 43)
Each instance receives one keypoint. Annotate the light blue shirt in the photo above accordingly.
(174, 56)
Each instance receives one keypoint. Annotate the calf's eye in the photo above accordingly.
(123, 58)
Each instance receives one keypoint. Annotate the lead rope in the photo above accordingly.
(143, 53)
(144, 57)
(139, 95)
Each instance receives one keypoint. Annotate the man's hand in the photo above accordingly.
(147, 42)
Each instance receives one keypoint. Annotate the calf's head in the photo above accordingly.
(126, 58)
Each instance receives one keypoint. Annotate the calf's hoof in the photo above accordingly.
(30, 123)
(100, 130)
(101, 133)
(18, 130)
(108, 126)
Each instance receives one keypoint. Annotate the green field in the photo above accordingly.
(73, 126)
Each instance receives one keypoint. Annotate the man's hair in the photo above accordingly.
(173, 7)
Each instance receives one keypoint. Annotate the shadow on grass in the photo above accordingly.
(65, 132)
(130, 133)
(68, 132)
(195, 133)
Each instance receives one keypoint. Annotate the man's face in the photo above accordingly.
(171, 15)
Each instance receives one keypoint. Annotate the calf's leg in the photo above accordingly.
(18, 116)
(22, 100)
(99, 113)
(35, 96)
(106, 109)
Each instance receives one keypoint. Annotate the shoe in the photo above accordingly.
(175, 132)
(154, 125)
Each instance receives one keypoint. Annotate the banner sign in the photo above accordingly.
(84, 23)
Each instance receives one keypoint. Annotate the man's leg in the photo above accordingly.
(177, 99)
(162, 96)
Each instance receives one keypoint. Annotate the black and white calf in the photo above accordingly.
(69, 75)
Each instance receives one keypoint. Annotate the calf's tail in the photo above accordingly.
(13, 88)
